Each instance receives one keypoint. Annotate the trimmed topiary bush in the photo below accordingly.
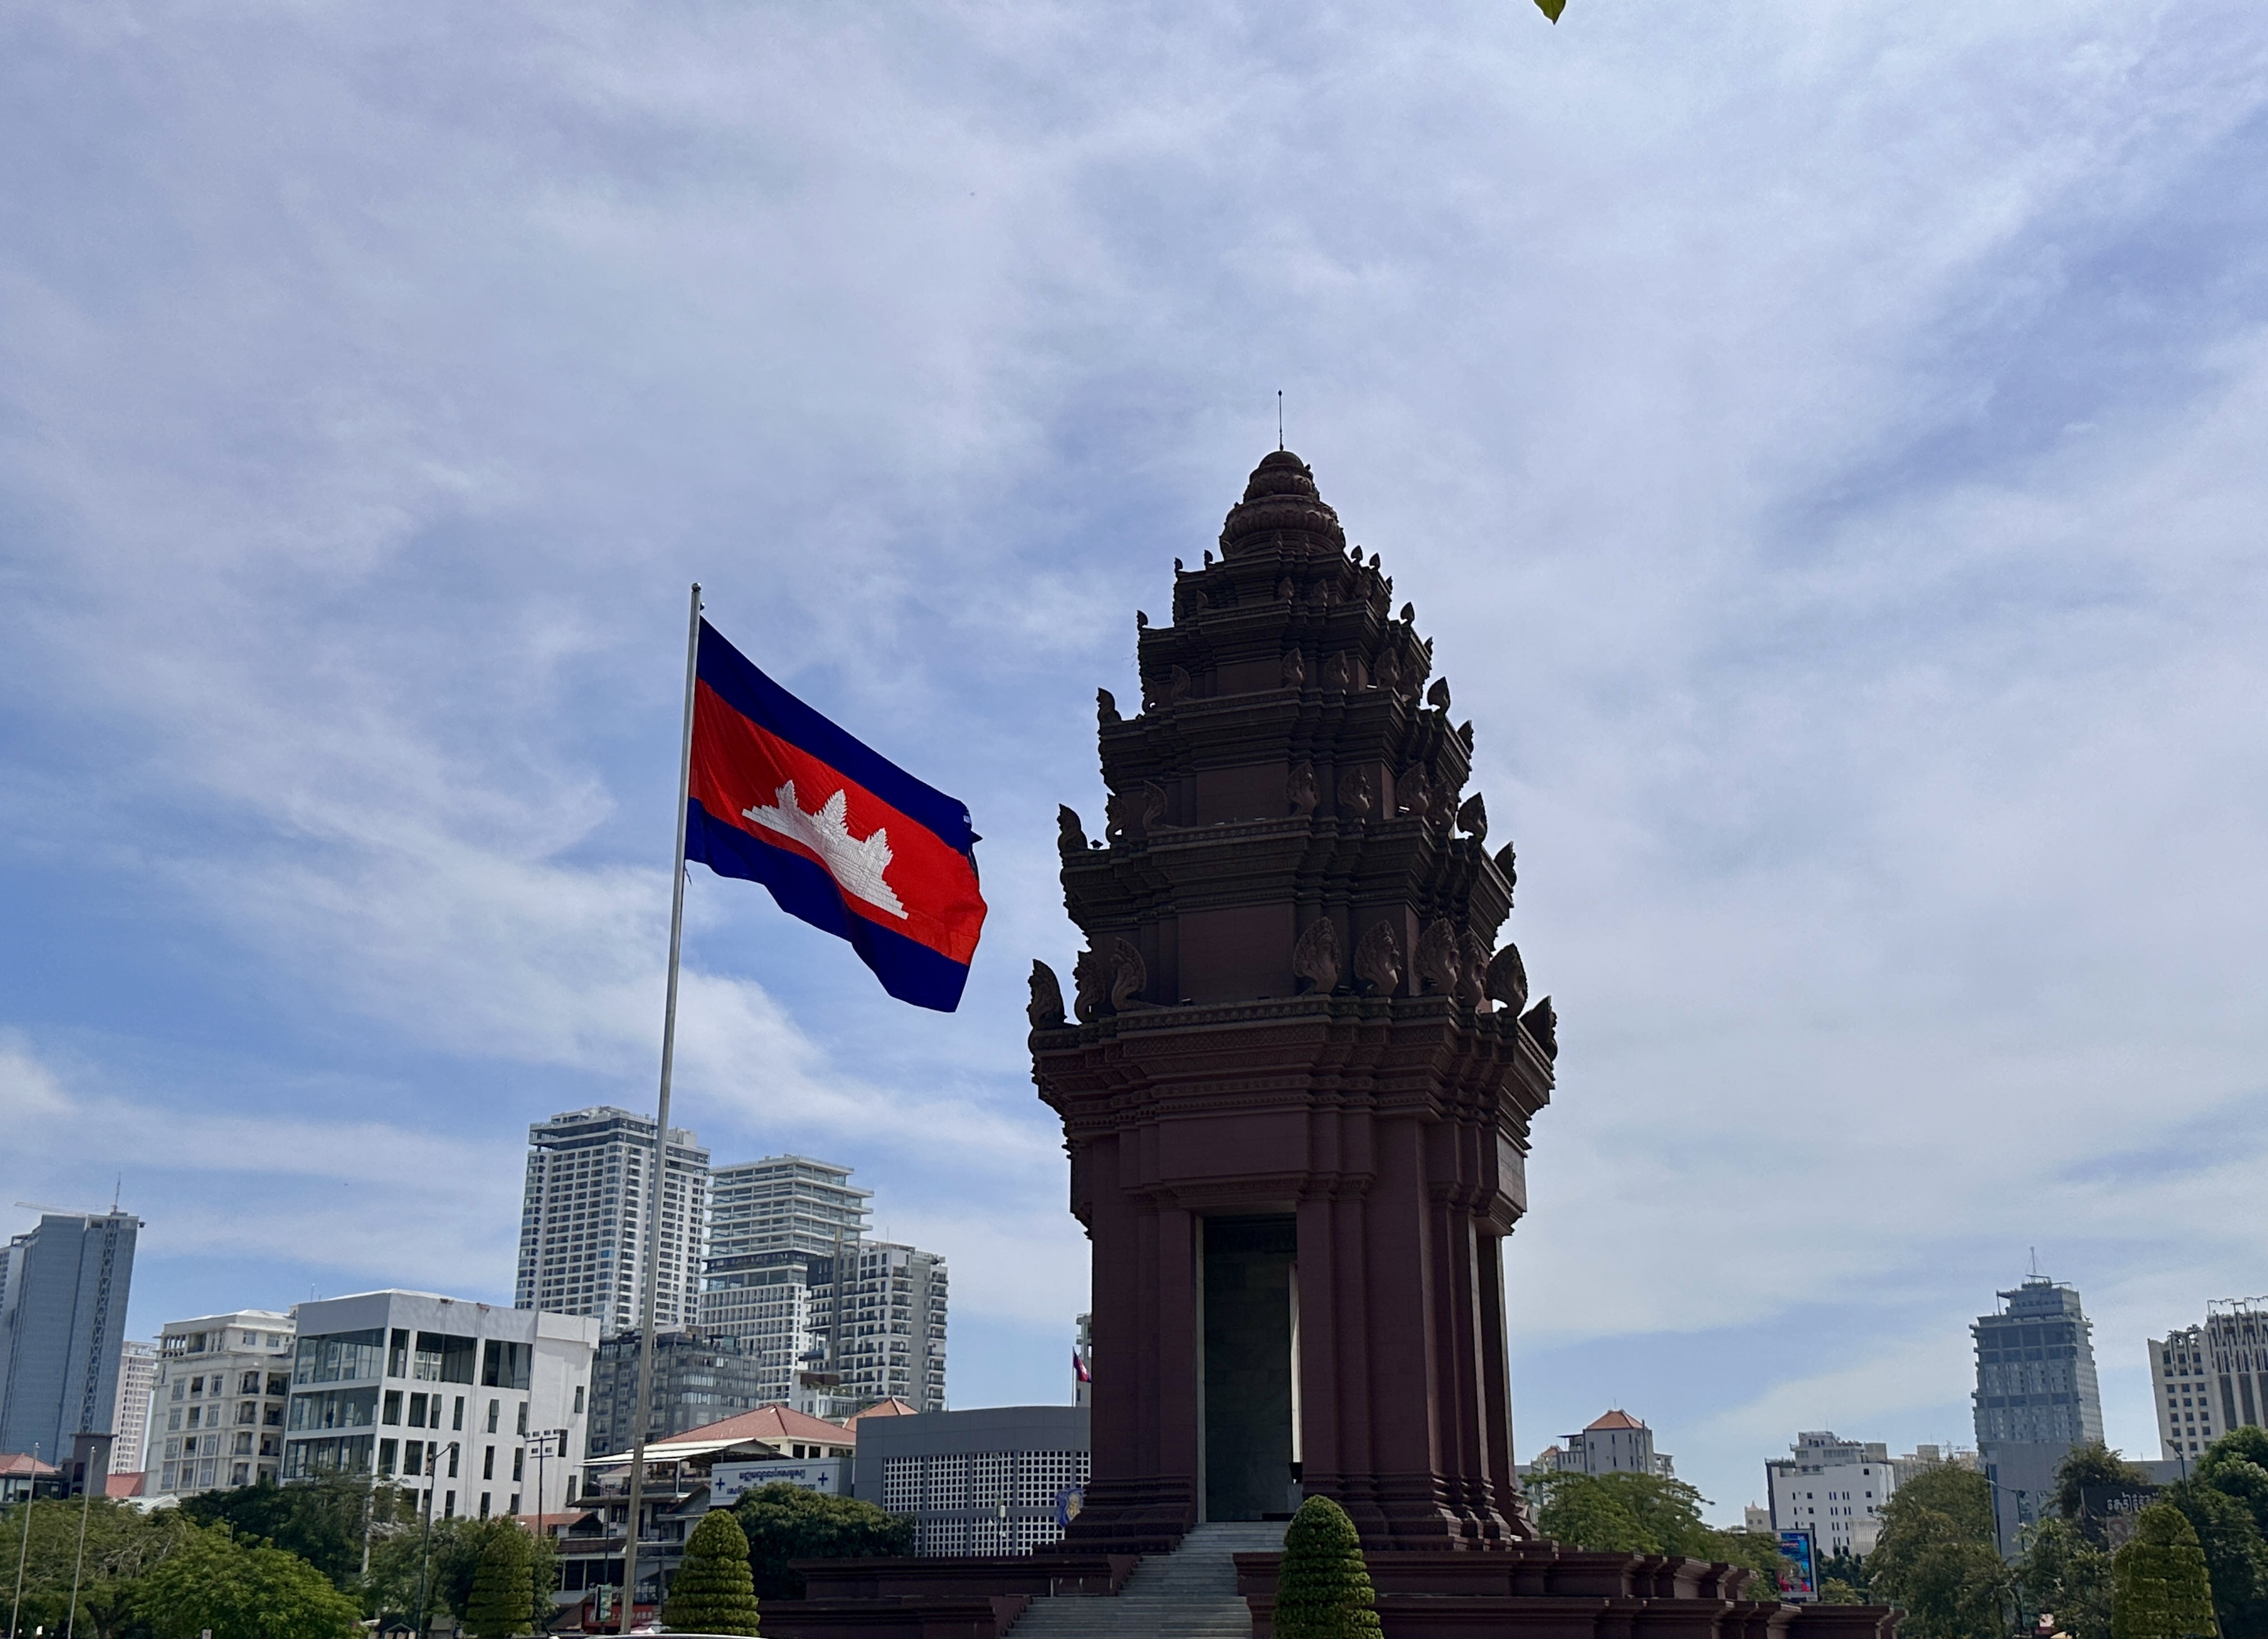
(2158, 1585)
(502, 1588)
(1323, 1590)
(714, 1591)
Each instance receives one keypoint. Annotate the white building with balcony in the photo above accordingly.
(217, 1423)
(448, 1398)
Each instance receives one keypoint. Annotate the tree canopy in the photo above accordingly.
(2225, 1503)
(240, 1591)
(714, 1591)
(2159, 1588)
(1939, 1555)
(122, 1545)
(784, 1522)
(1633, 1513)
(1322, 1589)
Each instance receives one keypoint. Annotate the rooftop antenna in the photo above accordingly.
(1279, 420)
(2036, 1263)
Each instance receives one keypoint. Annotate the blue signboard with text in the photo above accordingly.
(1802, 1578)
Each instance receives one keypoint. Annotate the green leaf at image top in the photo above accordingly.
(1552, 8)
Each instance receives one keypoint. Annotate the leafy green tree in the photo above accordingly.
(2235, 1557)
(1631, 1513)
(1847, 1568)
(2159, 1588)
(501, 1602)
(121, 1545)
(784, 1522)
(1322, 1589)
(1939, 1555)
(2064, 1571)
(1835, 1591)
(714, 1591)
(322, 1521)
(211, 1582)
(2093, 1465)
(2237, 1465)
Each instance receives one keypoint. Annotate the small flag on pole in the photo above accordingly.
(844, 838)
(1078, 1367)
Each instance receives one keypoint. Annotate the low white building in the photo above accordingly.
(1834, 1489)
(1615, 1443)
(446, 1397)
(217, 1419)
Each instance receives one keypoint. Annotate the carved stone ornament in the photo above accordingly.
(1106, 707)
(1177, 684)
(1295, 669)
(1315, 958)
(1439, 957)
(1336, 675)
(1091, 974)
(1387, 672)
(1128, 976)
(1358, 792)
(1543, 1024)
(1319, 595)
(1465, 733)
(1378, 960)
(1472, 971)
(1507, 979)
(1472, 819)
(1071, 834)
(1046, 1009)
(1300, 788)
(1284, 589)
(1438, 697)
(1132, 813)
(1507, 862)
(1413, 793)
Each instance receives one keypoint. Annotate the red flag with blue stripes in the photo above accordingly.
(843, 837)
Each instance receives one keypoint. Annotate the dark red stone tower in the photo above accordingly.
(1296, 1081)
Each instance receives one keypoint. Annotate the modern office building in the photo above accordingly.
(1614, 1443)
(2036, 1397)
(1832, 1488)
(440, 1395)
(776, 1227)
(223, 1383)
(1005, 1479)
(137, 1381)
(63, 1290)
(584, 1217)
(2212, 1378)
(698, 1379)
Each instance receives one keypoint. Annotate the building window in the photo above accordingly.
(488, 1464)
(496, 1410)
(460, 1421)
(452, 1464)
(392, 1412)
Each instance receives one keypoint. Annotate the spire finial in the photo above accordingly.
(1280, 418)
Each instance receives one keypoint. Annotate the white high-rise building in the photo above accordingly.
(1833, 1489)
(583, 1220)
(137, 1382)
(430, 1393)
(218, 1422)
(2211, 1378)
(885, 1327)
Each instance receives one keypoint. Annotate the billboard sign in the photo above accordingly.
(1802, 1577)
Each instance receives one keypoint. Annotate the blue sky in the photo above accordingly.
(1825, 445)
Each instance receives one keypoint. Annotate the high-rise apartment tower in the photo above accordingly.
(2036, 1397)
(137, 1381)
(64, 1287)
(583, 1220)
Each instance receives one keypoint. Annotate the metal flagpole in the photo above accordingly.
(642, 1409)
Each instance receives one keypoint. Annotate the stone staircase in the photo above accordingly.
(1187, 1594)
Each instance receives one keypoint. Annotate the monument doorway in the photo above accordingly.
(1249, 1366)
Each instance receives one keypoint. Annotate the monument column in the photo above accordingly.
(1293, 1057)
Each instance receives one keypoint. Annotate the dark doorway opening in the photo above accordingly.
(1248, 1345)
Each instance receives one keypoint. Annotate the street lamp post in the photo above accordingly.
(425, 1543)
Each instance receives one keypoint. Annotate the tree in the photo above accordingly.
(1939, 1555)
(501, 1602)
(2235, 1557)
(714, 1591)
(2159, 1588)
(784, 1522)
(1322, 1588)
(2093, 1465)
(122, 1545)
(1847, 1568)
(1631, 1514)
(322, 1521)
(213, 1583)
(2064, 1571)
(1835, 1591)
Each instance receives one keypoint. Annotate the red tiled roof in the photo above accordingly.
(123, 1485)
(23, 1463)
(884, 1409)
(767, 1423)
(1614, 1420)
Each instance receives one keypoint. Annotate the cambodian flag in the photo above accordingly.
(842, 837)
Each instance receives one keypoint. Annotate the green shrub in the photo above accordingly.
(2157, 1585)
(714, 1591)
(498, 1608)
(1322, 1590)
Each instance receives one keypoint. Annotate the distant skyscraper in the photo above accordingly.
(2036, 1397)
(63, 1288)
(887, 1327)
(584, 1220)
(2211, 1378)
(137, 1381)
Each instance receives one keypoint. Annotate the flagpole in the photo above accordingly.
(657, 1178)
